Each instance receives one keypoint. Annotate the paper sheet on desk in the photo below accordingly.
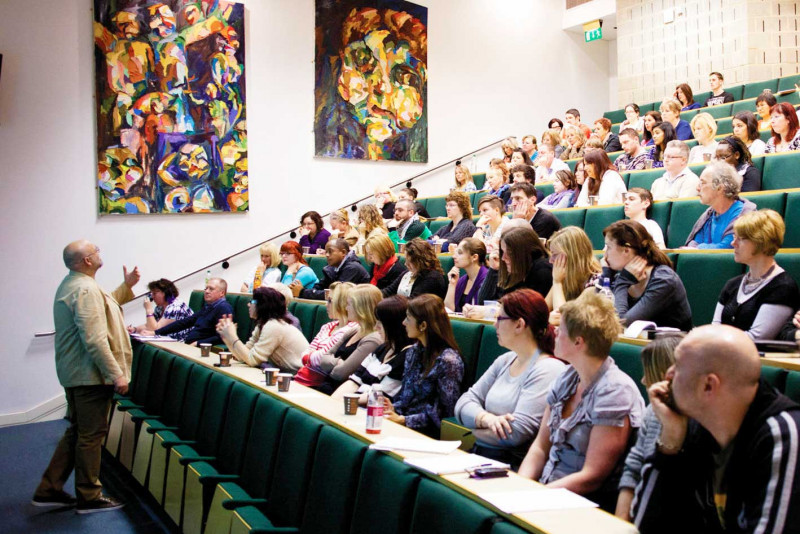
(516, 502)
(450, 465)
(416, 445)
(160, 339)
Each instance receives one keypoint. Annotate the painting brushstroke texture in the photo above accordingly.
(371, 80)
(171, 114)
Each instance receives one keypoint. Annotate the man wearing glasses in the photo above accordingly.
(203, 324)
(679, 181)
(93, 360)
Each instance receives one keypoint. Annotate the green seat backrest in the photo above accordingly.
(320, 318)
(391, 483)
(441, 509)
(436, 207)
(787, 83)
(287, 495)
(700, 98)
(758, 163)
(216, 407)
(644, 108)
(704, 276)
(792, 389)
(489, 352)
(628, 358)
(423, 202)
(614, 155)
(329, 510)
(291, 307)
(752, 90)
(141, 380)
(479, 179)
(737, 91)
(176, 391)
(477, 198)
(236, 430)
(597, 219)
(572, 163)
(615, 128)
(772, 201)
(546, 189)
(618, 115)
(196, 300)
(571, 216)
(241, 316)
(503, 527)
(468, 337)
(689, 115)
(306, 312)
(262, 445)
(743, 105)
(435, 224)
(317, 263)
(725, 126)
(682, 217)
(721, 111)
(159, 381)
(765, 135)
(446, 261)
(775, 376)
(644, 179)
(780, 171)
(661, 213)
(790, 263)
(364, 262)
(194, 401)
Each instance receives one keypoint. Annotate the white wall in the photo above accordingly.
(496, 68)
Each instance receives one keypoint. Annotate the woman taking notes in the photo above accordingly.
(470, 255)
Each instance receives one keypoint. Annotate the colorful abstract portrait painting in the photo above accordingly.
(371, 80)
(171, 114)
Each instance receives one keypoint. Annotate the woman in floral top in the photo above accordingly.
(433, 370)
(163, 308)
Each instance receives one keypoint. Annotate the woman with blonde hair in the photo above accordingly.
(671, 113)
(574, 267)
(386, 266)
(576, 141)
(340, 224)
(704, 128)
(266, 272)
(384, 201)
(370, 222)
(508, 146)
(552, 137)
(762, 300)
(492, 221)
(347, 358)
(464, 181)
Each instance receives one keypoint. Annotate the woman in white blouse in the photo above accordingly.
(704, 128)
(603, 182)
(745, 127)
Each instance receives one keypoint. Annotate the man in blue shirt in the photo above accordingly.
(718, 188)
(203, 324)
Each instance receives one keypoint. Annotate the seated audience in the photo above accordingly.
(791, 329)
(610, 140)
(733, 151)
(726, 453)
(635, 157)
(469, 255)
(745, 127)
(345, 360)
(580, 179)
(409, 226)
(593, 142)
(497, 163)
(522, 173)
(433, 369)
(548, 164)
(496, 185)
(671, 112)
(384, 201)
(573, 117)
(202, 325)
(592, 411)
(764, 103)
(718, 188)
(490, 225)
(288, 297)
(162, 307)
(410, 193)
(424, 273)
(555, 124)
(504, 408)
(265, 272)
(785, 129)
(340, 223)
(678, 181)
(523, 206)
(459, 211)
(663, 134)
(564, 192)
(508, 146)
(651, 118)
(520, 157)
(657, 357)
(576, 141)
(602, 181)
(312, 232)
(386, 267)
(343, 266)
(370, 222)
(645, 286)
(551, 137)
(632, 119)
(762, 300)
(718, 94)
(529, 146)
(575, 268)
(463, 178)
(704, 128)
(383, 369)
(329, 337)
(684, 95)
(274, 340)
(639, 208)
(296, 266)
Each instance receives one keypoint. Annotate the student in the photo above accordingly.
(575, 268)
(704, 128)
(678, 180)
(340, 224)
(563, 195)
(386, 267)
(671, 111)
(603, 181)
(576, 142)
(733, 151)
(651, 118)
(523, 205)
(343, 266)
(639, 208)
(492, 221)
(296, 266)
(785, 129)
(632, 119)
(163, 307)
(684, 95)
(384, 201)
(663, 135)
(312, 232)
(370, 223)
(459, 211)
(424, 273)
(635, 157)
(718, 94)
(469, 255)
(610, 140)
(764, 103)
(463, 179)
(745, 127)
(268, 271)
(410, 193)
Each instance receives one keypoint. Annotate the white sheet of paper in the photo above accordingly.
(449, 465)
(160, 339)
(516, 502)
(417, 445)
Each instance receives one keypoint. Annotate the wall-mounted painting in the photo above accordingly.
(171, 121)
(371, 80)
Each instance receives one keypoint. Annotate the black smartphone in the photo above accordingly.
(488, 472)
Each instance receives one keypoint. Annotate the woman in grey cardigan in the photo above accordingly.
(504, 408)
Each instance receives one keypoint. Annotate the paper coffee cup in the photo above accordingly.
(284, 381)
(351, 403)
(271, 375)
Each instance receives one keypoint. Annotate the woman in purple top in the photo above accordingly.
(470, 255)
(312, 232)
(564, 195)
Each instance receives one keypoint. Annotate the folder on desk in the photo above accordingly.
(450, 465)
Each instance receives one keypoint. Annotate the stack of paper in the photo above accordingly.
(457, 463)
(417, 445)
(517, 502)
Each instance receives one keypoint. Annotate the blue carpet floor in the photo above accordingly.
(26, 451)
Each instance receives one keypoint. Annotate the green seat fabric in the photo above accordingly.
(597, 219)
(571, 216)
(423, 202)
(316, 263)
(618, 115)
(790, 263)
(614, 155)
(661, 213)
(477, 198)
(737, 91)
(159, 382)
(780, 171)
(628, 358)
(791, 215)
(743, 105)
(700, 98)
(572, 163)
(704, 276)
(644, 108)
(439, 509)
(306, 313)
(436, 207)
(682, 217)
(772, 201)
(241, 316)
(489, 352)
(787, 83)
(196, 300)
(725, 126)
(249, 519)
(503, 527)
(391, 483)
(644, 179)
(446, 261)
(689, 115)
(720, 111)
(775, 376)
(435, 224)
(320, 318)
(752, 90)
(758, 163)
(615, 128)
(468, 337)
(479, 179)
(546, 189)
(792, 388)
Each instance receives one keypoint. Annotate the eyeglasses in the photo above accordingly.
(254, 302)
(96, 251)
(503, 318)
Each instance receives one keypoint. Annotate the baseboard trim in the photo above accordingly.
(55, 408)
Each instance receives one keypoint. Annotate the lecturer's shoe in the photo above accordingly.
(61, 499)
(101, 504)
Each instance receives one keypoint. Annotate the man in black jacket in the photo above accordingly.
(727, 455)
(343, 266)
(203, 324)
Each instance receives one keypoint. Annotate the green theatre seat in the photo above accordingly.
(436, 207)
(775, 376)
(700, 98)
(479, 179)
(689, 115)
(790, 263)
(546, 189)
(435, 224)
(661, 213)
(196, 300)
(772, 201)
(320, 318)
(704, 276)
(792, 98)
(644, 179)
(682, 217)
(439, 509)
(720, 111)
(615, 128)
(787, 83)
(614, 155)
(477, 198)
(628, 358)
(758, 163)
(571, 216)
(468, 337)
(616, 116)
(572, 163)
(446, 261)
(503, 527)
(725, 126)
(791, 215)
(644, 108)
(241, 316)
(752, 90)
(737, 91)
(317, 263)
(306, 313)
(781, 171)
(792, 389)
(137, 394)
(743, 105)
(597, 219)
(423, 202)
(489, 352)
(393, 485)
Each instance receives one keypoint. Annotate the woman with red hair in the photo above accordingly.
(785, 129)
(504, 408)
(296, 266)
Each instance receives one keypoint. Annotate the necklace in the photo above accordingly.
(751, 283)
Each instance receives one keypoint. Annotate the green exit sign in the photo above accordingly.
(593, 35)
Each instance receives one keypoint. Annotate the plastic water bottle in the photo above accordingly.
(208, 276)
(374, 412)
(474, 164)
(605, 290)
